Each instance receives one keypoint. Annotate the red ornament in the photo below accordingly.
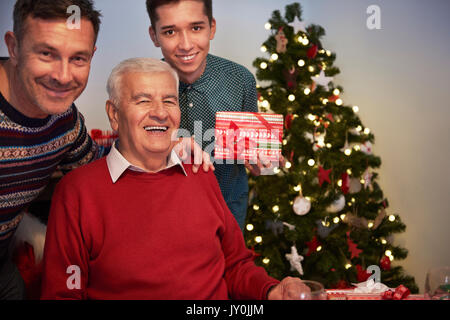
(385, 263)
(352, 247)
(333, 98)
(288, 121)
(345, 183)
(312, 246)
(400, 293)
(324, 175)
(362, 274)
(312, 51)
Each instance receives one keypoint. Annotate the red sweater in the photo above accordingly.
(148, 236)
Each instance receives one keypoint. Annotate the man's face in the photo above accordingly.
(147, 117)
(53, 64)
(183, 32)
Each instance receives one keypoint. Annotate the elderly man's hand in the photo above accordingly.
(288, 289)
(187, 146)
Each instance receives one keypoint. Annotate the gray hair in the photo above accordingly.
(141, 65)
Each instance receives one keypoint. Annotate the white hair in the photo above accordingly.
(141, 65)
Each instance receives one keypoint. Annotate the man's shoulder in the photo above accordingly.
(94, 171)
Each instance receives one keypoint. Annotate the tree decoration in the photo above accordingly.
(295, 260)
(352, 247)
(322, 80)
(301, 205)
(297, 25)
(324, 175)
(291, 78)
(282, 41)
(337, 205)
(312, 246)
(312, 51)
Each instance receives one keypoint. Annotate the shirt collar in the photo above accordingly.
(117, 164)
(201, 84)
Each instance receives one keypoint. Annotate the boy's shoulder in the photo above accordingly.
(225, 65)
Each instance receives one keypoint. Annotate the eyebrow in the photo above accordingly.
(45, 46)
(149, 96)
(196, 23)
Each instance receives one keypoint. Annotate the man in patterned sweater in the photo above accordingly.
(183, 30)
(41, 130)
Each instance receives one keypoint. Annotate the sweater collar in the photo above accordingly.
(117, 164)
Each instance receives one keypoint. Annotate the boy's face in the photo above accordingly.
(183, 33)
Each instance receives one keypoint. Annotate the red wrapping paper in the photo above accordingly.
(244, 135)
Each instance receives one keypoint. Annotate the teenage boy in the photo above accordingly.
(183, 30)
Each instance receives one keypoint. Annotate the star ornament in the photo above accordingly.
(322, 80)
(324, 175)
(295, 260)
(298, 25)
(352, 247)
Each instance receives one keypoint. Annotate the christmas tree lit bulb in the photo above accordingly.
(250, 227)
(288, 165)
(329, 145)
(339, 183)
(388, 253)
(263, 49)
(336, 92)
(391, 257)
(307, 91)
(305, 41)
(383, 241)
(348, 266)
(276, 170)
(319, 248)
(370, 225)
(362, 181)
(267, 26)
(336, 220)
(266, 260)
(349, 171)
(366, 130)
(301, 63)
(263, 65)
(355, 109)
(297, 188)
(311, 162)
(391, 218)
(258, 239)
(308, 198)
(265, 104)
(255, 207)
(342, 216)
(275, 208)
(348, 152)
(353, 200)
(274, 56)
(325, 101)
(311, 117)
(357, 147)
(291, 97)
(339, 102)
(284, 142)
(358, 128)
(328, 53)
(311, 69)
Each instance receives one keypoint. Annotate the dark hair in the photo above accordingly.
(52, 9)
(152, 5)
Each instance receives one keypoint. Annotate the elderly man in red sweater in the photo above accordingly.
(138, 224)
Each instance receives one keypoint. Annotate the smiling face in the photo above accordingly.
(183, 32)
(146, 117)
(51, 65)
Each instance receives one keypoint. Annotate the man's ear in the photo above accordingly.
(213, 29)
(13, 47)
(113, 115)
(153, 36)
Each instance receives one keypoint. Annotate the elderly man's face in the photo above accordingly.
(147, 117)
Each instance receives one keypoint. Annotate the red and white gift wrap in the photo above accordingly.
(244, 135)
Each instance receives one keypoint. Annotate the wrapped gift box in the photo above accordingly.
(244, 135)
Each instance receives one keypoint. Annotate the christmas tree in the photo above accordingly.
(323, 215)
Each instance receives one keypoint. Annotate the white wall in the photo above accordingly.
(398, 76)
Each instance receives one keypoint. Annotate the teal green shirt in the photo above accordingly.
(224, 86)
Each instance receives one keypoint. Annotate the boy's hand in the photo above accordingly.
(187, 146)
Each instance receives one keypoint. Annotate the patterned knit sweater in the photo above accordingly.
(31, 150)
